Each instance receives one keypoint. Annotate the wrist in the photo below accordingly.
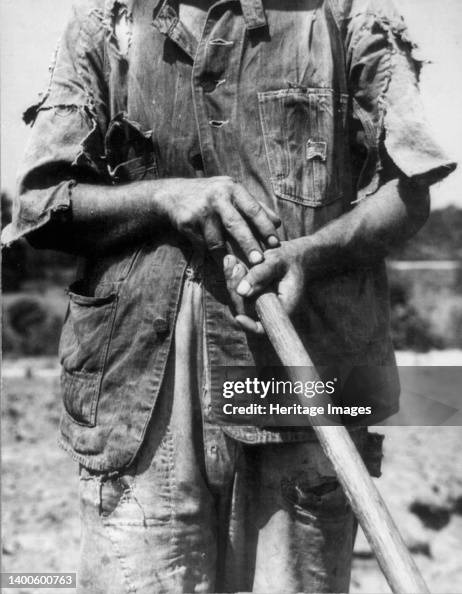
(162, 196)
(307, 254)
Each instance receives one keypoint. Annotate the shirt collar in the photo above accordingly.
(167, 17)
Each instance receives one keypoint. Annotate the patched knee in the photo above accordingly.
(104, 490)
(113, 490)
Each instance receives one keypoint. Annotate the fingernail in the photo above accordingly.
(236, 270)
(244, 288)
(227, 261)
(255, 257)
(273, 241)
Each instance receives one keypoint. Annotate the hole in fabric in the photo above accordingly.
(112, 491)
(218, 123)
(122, 30)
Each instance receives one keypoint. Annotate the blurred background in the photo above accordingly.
(422, 479)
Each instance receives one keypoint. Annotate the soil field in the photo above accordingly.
(421, 482)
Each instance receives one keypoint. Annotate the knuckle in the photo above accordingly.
(183, 222)
(226, 184)
(254, 209)
(220, 197)
(225, 178)
(261, 272)
(232, 224)
(207, 199)
(253, 277)
(215, 244)
(273, 257)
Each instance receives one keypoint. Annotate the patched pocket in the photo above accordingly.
(303, 130)
(83, 350)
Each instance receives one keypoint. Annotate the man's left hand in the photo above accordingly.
(281, 270)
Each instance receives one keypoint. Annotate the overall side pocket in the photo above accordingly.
(83, 350)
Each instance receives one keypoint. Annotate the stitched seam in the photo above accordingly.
(265, 134)
(171, 480)
(300, 198)
(123, 565)
(281, 186)
(161, 352)
(99, 374)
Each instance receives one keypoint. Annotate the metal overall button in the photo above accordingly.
(161, 325)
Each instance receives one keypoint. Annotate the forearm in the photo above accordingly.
(105, 217)
(203, 210)
(365, 234)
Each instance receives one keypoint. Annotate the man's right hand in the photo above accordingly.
(205, 210)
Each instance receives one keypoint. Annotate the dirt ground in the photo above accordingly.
(421, 483)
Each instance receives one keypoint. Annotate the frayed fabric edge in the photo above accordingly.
(398, 38)
(30, 115)
(13, 231)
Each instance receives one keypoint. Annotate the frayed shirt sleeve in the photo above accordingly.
(383, 78)
(68, 125)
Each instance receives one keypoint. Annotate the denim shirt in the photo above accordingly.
(310, 104)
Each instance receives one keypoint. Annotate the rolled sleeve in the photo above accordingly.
(66, 145)
(383, 75)
(36, 209)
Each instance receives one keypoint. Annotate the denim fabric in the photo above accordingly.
(200, 512)
(310, 104)
(268, 518)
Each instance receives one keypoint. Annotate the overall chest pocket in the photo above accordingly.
(303, 131)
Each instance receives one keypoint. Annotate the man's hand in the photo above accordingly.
(359, 238)
(207, 210)
(281, 269)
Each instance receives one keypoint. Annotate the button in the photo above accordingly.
(208, 84)
(161, 325)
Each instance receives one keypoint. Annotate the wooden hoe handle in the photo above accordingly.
(392, 554)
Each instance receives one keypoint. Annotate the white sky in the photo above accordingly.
(30, 29)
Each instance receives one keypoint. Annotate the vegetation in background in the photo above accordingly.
(409, 329)
(24, 268)
(440, 238)
(31, 325)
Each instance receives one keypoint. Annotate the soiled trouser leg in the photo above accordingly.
(151, 528)
(291, 528)
(199, 512)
